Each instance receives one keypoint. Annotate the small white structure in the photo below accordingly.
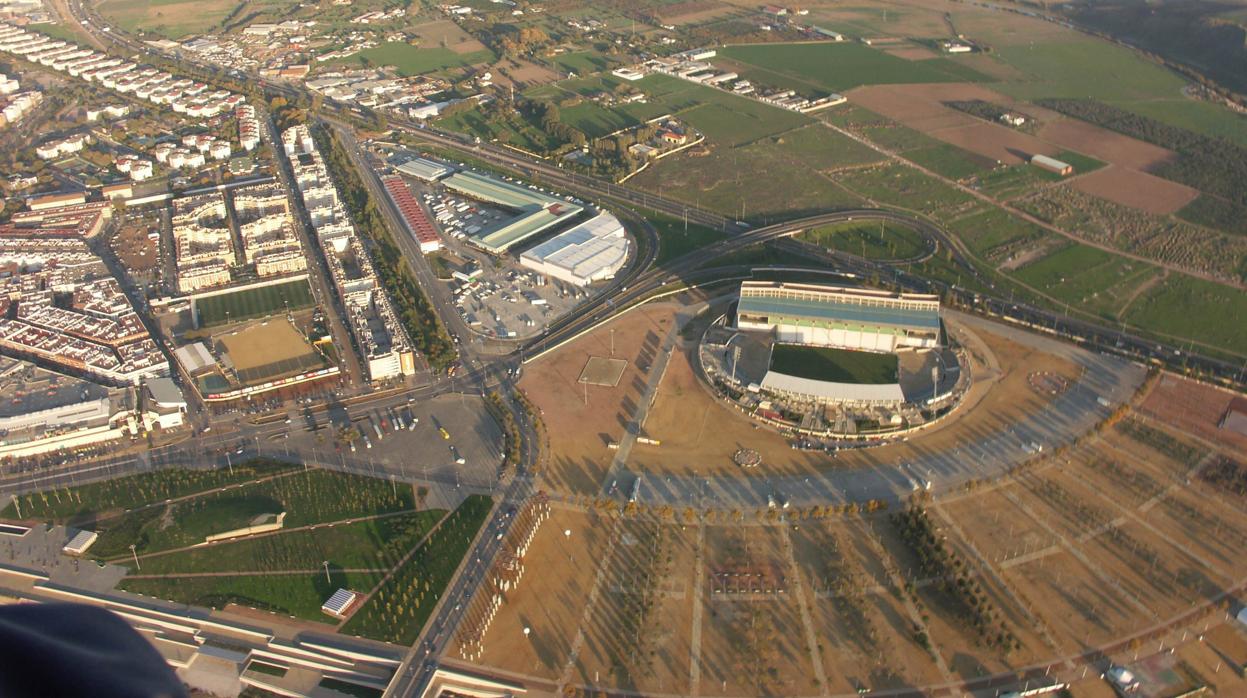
(81, 541)
(340, 603)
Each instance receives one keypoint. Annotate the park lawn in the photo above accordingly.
(1083, 276)
(60, 31)
(84, 503)
(309, 497)
(254, 302)
(402, 605)
(880, 241)
(1185, 307)
(594, 120)
(675, 242)
(835, 365)
(414, 60)
(836, 67)
(375, 543)
(987, 230)
(298, 595)
(949, 161)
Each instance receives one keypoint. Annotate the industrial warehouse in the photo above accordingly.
(832, 358)
(592, 251)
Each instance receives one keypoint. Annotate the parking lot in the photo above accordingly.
(451, 438)
(496, 296)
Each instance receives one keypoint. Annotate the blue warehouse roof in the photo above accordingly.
(837, 311)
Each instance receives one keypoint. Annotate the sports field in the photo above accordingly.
(253, 303)
(269, 350)
(834, 365)
(414, 60)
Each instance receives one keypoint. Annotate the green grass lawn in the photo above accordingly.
(1183, 306)
(881, 241)
(987, 230)
(375, 543)
(674, 241)
(308, 497)
(902, 186)
(821, 148)
(414, 60)
(1086, 277)
(253, 303)
(84, 503)
(173, 19)
(949, 161)
(595, 120)
(1083, 67)
(836, 67)
(835, 365)
(298, 595)
(400, 608)
(581, 62)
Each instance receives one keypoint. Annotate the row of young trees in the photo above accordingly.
(953, 578)
(415, 311)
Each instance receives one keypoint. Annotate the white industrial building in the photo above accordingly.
(591, 251)
(833, 316)
(425, 170)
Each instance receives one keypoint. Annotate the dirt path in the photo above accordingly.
(1138, 292)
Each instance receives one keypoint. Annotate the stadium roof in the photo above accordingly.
(585, 249)
(425, 169)
(538, 211)
(847, 392)
(831, 310)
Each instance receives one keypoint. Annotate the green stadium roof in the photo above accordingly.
(537, 211)
(840, 312)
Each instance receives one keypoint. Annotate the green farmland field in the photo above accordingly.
(836, 67)
(253, 303)
(1186, 307)
(835, 365)
(1092, 279)
(882, 241)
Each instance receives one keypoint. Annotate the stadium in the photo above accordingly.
(833, 358)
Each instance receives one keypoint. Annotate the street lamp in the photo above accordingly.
(137, 566)
(326, 564)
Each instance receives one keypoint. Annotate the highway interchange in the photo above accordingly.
(1111, 370)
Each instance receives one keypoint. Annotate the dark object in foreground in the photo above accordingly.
(76, 650)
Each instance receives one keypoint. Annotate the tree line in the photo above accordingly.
(414, 309)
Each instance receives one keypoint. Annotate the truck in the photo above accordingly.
(377, 428)
(636, 490)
